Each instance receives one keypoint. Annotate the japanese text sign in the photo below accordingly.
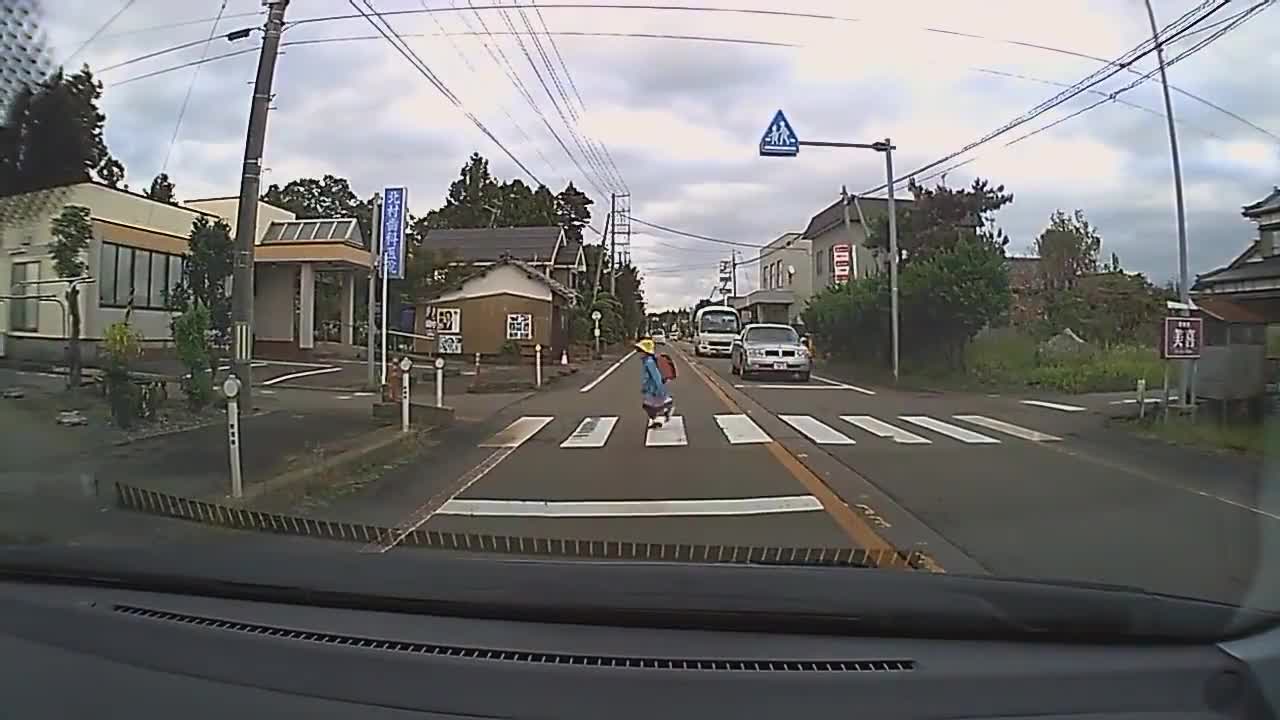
(393, 218)
(1182, 338)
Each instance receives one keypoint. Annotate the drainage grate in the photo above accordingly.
(503, 655)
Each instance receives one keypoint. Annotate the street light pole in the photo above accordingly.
(1184, 280)
(893, 251)
(247, 209)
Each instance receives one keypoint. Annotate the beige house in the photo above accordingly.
(827, 230)
(786, 281)
(136, 257)
(506, 301)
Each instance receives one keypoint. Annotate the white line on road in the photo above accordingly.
(606, 373)
(845, 386)
(669, 435)
(883, 429)
(962, 434)
(513, 435)
(304, 373)
(816, 430)
(760, 386)
(1008, 428)
(741, 430)
(593, 432)
(292, 363)
(631, 508)
(1054, 405)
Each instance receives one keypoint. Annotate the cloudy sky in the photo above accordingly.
(681, 117)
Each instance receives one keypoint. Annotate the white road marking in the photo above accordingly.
(1132, 401)
(606, 373)
(304, 373)
(593, 432)
(362, 394)
(1054, 405)
(1008, 428)
(631, 508)
(343, 397)
(291, 363)
(513, 435)
(761, 386)
(671, 434)
(962, 434)
(267, 392)
(885, 430)
(845, 386)
(741, 430)
(816, 430)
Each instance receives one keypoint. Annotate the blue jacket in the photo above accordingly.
(652, 384)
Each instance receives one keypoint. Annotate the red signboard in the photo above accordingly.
(1181, 338)
(840, 262)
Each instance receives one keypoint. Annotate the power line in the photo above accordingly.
(172, 25)
(99, 31)
(186, 100)
(1233, 22)
(1184, 23)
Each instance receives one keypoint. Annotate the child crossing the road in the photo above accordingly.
(656, 372)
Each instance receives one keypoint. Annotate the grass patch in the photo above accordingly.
(1239, 437)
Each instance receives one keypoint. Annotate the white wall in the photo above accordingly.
(273, 288)
(226, 208)
(506, 279)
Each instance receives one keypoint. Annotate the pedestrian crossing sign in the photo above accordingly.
(779, 138)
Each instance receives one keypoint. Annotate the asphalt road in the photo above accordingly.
(1027, 489)
(982, 484)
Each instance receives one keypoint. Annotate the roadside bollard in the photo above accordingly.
(405, 365)
(231, 388)
(537, 365)
(1142, 398)
(477, 364)
(439, 382)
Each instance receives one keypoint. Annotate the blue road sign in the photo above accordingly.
(779, 139)
(393, 218)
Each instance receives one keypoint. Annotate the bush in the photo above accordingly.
(122, 345)
(191, 336)
(1113, 369)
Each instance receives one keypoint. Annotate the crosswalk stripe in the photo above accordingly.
(1054, 406)
(517, 432)
(671, 434)
(593, 432)
(741, 430)
(1008, 428)
(816, 430)
(962, 434)
(885, 430)
(631, 508)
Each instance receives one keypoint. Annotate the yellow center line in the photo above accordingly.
(854, 526)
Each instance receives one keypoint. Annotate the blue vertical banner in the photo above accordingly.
(393, 220)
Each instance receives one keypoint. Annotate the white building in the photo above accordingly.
(136, 256)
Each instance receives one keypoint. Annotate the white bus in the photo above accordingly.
(714, 329)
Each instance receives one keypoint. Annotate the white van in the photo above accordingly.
(715, 327)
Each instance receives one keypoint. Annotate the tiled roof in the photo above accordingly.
(1227, 311)
(1268, 204)
(556, 286)
(530, 244)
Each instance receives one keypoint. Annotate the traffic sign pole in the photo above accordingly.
(780, 140)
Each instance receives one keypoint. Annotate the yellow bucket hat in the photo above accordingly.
(646, 346)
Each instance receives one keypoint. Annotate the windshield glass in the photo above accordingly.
(496, 304)
(719, 322)
(772, 335)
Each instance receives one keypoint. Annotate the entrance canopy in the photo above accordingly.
(329, 243)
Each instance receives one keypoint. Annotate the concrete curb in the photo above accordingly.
(374, 447)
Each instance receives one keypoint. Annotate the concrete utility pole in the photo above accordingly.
(1184, 281)
(733, 269)
(853, 249)
(613, 247)
(887, 148)
(247, 212)
(375, 254)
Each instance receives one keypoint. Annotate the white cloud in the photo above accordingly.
(682, 118)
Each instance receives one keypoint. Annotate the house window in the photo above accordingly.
(142, 276)
(519, 326)
(25, 314)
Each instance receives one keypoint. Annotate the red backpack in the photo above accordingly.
(667, 367)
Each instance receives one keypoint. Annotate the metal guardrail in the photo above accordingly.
(164, 504)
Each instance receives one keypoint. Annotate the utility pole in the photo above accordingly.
(247, 211)
(893, 250)
(613, 247)
(1184, 281)
(375, 254)
(853, 246)
(733, 268)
